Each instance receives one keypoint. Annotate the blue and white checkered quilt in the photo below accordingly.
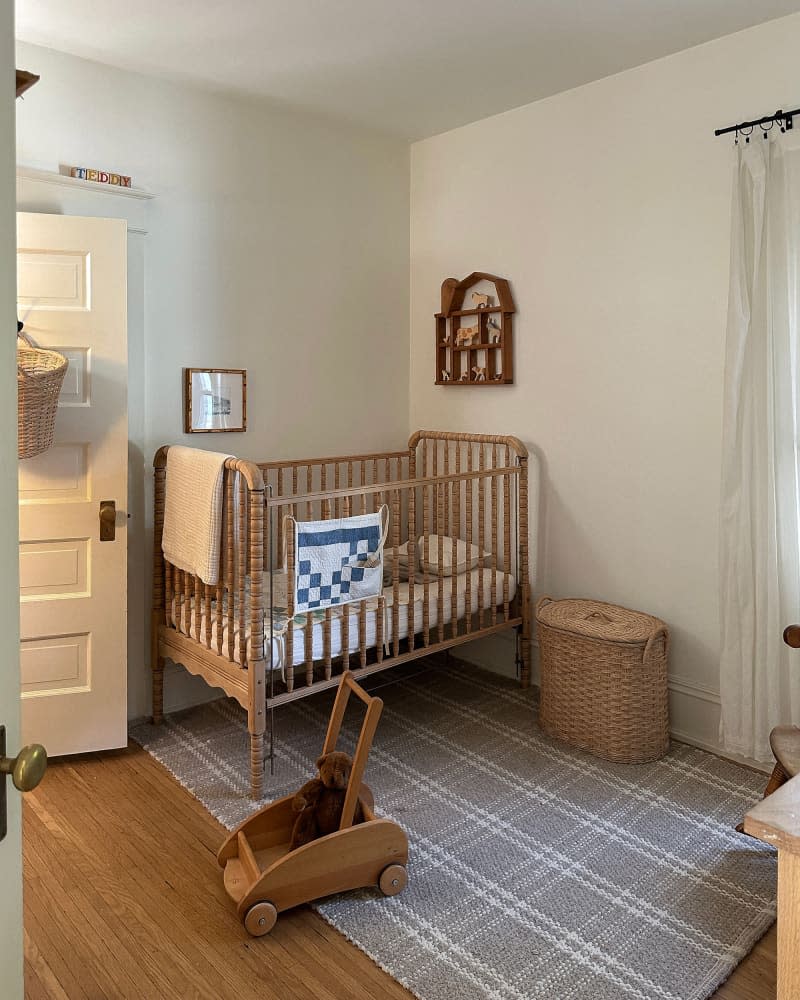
(338, 561)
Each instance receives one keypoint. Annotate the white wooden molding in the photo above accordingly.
(51, 177)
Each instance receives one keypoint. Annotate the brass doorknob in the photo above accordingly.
(27, 768)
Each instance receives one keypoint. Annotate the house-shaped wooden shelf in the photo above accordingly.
(474, 339)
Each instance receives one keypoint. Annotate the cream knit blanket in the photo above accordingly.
(193, 511)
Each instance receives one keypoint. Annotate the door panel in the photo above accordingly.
(73, 589)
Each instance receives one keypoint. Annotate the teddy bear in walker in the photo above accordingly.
(319, 802)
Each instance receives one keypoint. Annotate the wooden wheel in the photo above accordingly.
(393, 880)
(260, 919)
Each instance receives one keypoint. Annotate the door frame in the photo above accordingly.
(11, 935)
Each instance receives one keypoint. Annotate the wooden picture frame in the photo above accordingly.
(214, 400)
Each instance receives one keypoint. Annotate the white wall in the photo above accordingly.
(276, 242)
(608, 209)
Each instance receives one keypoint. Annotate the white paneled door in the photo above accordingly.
(71, 293)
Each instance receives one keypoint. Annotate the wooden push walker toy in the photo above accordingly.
(263, 877)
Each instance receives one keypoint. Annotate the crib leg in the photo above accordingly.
(158, 690)
(256, 765)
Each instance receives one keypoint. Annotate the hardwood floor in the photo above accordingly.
(124, 899)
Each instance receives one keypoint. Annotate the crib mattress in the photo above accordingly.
(492, 595)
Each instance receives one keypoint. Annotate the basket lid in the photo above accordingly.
(598, 620)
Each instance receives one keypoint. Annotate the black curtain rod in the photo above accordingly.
(785, 116)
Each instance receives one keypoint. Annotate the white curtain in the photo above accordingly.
(760, 507)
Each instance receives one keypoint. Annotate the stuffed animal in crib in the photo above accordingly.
(465, 335)
(481, 301)
(319, 802)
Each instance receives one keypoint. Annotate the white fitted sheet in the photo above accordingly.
(280, 644)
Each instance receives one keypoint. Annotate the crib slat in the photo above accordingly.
(345, 633)
(453, 490)
(309, 488)
(326, 643)
(426, 555)
(198, 604)
(179, 599)
(207, 614)
(362, 633)
(379, 627)
(326, 512)
(440, 554)
(494, 536)
(290, 578)
(506, 538)
(309, 648)
(346, 511)
(412, 555)
(170, 594)
(377, 498)
(241, 549)
(363, 482)
(481, 486)
(446, 525)
(468, 516)
(220, 599)
(229, 563)
(395, 571)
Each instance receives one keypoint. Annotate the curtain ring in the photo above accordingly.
(747, 134)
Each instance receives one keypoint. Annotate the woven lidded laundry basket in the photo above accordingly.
(604, 678)
(40, 375)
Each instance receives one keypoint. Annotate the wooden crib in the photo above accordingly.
(444, 492)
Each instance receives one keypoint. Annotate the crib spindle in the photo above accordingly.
(426, 556)
(345, 634)
(170, 607)
(178, 599)
(309, 648)
(326, 643)
(440, 556)
(453, 490)
(230, 560)
(362, 633)
(220, 601)
(481, 484)
(290, 576)
(241, 566)
(506, 539)
(198, 604)
(395, 572)
(468, 516)
(494, 535)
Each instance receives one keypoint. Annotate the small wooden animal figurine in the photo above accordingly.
(498, 377)
(446, 339)
(445, 375)
(494, 330)
(466, 334)
(319, 802)
(481, 301)
(479, 373)
(464, 377)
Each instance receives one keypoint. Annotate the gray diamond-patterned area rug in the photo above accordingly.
(535, 871)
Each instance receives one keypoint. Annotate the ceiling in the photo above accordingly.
(412, 68)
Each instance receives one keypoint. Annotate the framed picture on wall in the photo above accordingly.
(214, 400)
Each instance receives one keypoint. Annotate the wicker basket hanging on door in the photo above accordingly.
(40, 375)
